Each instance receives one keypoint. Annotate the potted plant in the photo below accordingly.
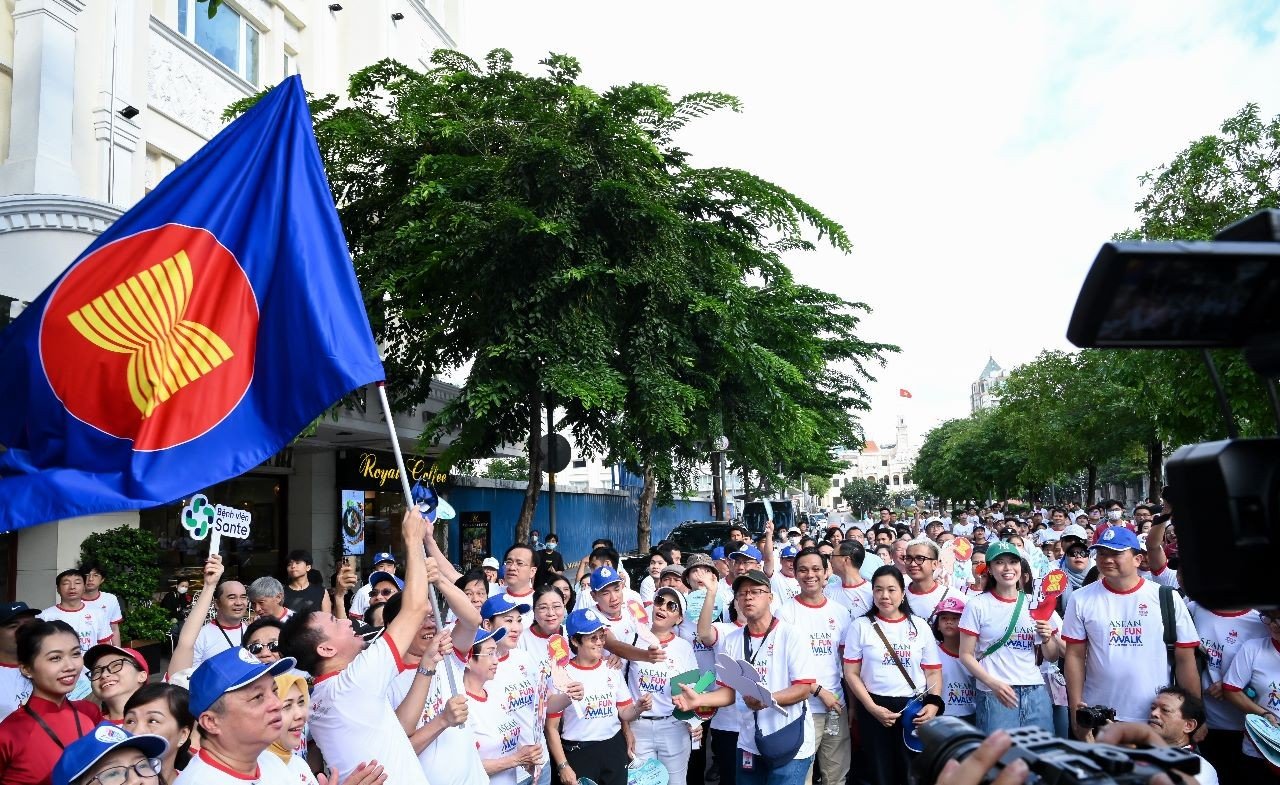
(130, 555)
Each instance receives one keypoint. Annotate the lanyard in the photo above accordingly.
(75, 714)
(746, 641)
(228, 637)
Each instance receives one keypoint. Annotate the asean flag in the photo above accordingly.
(904, 393)
(192, 340)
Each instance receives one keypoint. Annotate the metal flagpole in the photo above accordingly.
(408, 500)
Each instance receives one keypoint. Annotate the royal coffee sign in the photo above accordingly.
(374, 470)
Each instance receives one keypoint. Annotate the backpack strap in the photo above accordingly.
(1170, 629)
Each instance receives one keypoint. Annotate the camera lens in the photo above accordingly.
(944, 738)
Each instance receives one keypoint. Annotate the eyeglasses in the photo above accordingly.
(916, 559)
(113, 667)
(667, 605)
(118, 775)
(1076, 553)
(384, 593)
(753, 593)
(256, 648)
(516, 563)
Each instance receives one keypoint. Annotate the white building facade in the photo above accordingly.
(889, 464)
(982, 393)
(101, 100)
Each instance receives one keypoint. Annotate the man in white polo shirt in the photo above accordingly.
(352, 720)
(226, 631)
(1114, 633)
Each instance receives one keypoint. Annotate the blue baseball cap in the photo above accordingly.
(1118, 538)
(379, 558)
(12, 610)
(584, 621)
(85, 752)
(788, 552)
(604, 576)
(717, 553)
(482, 635)
(498, 604)
(748, 552)
(228, 671)
(380, 576)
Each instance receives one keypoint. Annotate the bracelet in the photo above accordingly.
(425, 672)
(562, 766)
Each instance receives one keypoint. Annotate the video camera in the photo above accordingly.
(1050, 759)
(1220, 294)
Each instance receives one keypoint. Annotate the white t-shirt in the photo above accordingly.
(360, 602)
(299, 770)
(781, 657)
(514, 691)
(624, 627)
(1125, 663)
(1166, 577)
(647, 589)
(957, 685)
(824, 627)
(783, 588)
(213, 639)
(1221, 636)
(535, 644)
(107, 605)
(203, 770)
(497, 733)
(595, 717)
(451, 758)
(1256, 665)
(352, 720)
(90, 625)
(654, 678)
(521, 598)
(913, 642)
(922, 605)
(986, 617)
(727, 717)
(856, 598)
(14, 689)
(961, 529)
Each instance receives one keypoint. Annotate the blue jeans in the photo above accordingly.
(792, 773)
(1034, 709)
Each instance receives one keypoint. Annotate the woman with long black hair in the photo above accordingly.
(890, 657)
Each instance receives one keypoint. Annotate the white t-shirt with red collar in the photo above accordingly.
(451, 757)
(595, 717)
(957, 684)
(213, 639)
(654, 678)
(107, 605)
(515, 688)
(497, 733)
(205, 770)
(923, 604)
(824, 626)
(782, 658)
(90, 624)
(726, 718)
(522, 598)
(1222, 635)
(986, 617)
(1256, 665)
(912, 641)
(14, 689)
(352, 720)
(856, 597)
(1125, 662)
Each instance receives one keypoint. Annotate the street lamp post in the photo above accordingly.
(717, 477)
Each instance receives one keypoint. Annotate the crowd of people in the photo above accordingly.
(833, 647)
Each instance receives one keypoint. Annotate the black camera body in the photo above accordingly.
(1094, 716)
(1221, 294)
(1050, 759)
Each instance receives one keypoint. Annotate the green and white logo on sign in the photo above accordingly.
(197, 517)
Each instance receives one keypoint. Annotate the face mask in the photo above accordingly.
(794, 540)
(551, 546)
(1114, 515)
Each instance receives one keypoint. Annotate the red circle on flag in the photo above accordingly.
(151, 338)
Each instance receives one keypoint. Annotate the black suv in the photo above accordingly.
(700, 536)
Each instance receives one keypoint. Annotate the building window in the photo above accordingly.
(227, 36)
(897, 480)
(835, 482)
(579, 463)
(884, 462)
(290, 64)
(885, 480)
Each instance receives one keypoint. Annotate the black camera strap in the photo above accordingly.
(1170, 621)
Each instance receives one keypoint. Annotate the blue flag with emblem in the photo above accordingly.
(192, 340)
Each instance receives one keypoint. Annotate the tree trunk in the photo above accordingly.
(746, 487)
(1093, 483)
(644, 528)
(1155, 467)
(525, 522)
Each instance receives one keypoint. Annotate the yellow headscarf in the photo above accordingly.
(284, 683)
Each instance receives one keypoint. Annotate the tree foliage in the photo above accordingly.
(508, 469)
(864, 495)
(128, 555)
(556, 243)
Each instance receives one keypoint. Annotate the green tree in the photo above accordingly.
(129, 557)
(508, 469)
(558, 242)
(818, 484)
(863, 495)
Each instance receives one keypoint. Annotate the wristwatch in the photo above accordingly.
(562, 766)
(425, 672)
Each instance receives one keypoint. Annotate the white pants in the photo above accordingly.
(667, 740)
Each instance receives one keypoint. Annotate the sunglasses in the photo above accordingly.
(1076, 553)
(384, 593)
(256, 648)
(667, 605)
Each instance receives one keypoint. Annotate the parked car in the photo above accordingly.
(700, 536)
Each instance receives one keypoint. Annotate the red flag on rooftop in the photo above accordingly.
(904, 393)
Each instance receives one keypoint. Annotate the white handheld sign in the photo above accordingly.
(229, 522)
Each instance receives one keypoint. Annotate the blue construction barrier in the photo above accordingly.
(580, 517)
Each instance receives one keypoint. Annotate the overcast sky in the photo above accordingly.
(977, 153)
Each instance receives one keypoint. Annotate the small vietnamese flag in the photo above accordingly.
(903, 392)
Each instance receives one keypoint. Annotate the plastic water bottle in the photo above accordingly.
(832, 728)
